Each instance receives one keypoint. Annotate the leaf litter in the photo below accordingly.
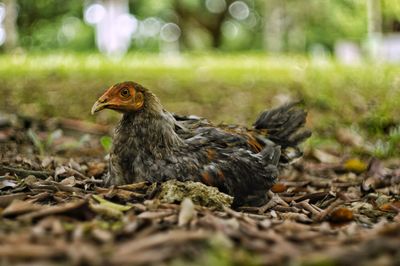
(326, 209)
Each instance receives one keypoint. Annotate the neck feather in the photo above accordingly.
(150, 129)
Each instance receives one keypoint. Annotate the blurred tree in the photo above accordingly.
(274, 28)
(228, 25)
(196, 14)
(297, 25)
(374, 17)
(46, 24)
(390, 15)
(10, 25)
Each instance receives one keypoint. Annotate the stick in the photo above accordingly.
(24, 172)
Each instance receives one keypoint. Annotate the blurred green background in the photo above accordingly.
(222, 59)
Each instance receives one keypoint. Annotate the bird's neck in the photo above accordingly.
(150, 130)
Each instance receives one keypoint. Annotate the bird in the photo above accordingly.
(152, 144)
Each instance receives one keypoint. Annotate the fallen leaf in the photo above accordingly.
(54, 210)
(7, 184)
(355, 165)
(341, 215)
(96, 169)
(390, 207)
(278, 188)
(110, 204)
(105, 210)
(325, 157)
(18, 207)
(5, 200)
(69, 181)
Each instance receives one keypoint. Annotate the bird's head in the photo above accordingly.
(123, 97)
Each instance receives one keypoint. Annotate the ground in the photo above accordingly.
(338, 205)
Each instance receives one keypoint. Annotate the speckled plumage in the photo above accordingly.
(154, 145)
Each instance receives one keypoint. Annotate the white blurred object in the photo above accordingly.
(2, 16)
(114, 26)
(2, 12)
(8, 24)
(2, 35)
(347, 53)
(389, 48)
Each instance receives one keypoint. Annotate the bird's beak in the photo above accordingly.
(98, 106)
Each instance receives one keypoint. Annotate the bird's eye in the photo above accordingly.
(125, 93)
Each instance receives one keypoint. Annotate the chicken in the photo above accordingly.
(152, 144)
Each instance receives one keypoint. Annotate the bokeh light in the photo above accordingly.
(239, 10)
(216, 6)
(170, 32)
(94, 14)
(230, 29)
(150, 27)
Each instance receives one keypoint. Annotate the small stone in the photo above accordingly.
(187, 212)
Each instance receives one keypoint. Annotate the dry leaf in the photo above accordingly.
(355, 165)
(390, 207)
(325, 157)
(341, 215)
(279, 188)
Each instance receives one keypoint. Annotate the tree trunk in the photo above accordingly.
(10, 25)
(374, 17)
(274, 27)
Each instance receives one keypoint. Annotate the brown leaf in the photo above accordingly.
(341, 215)
(69, 181)
(96, 169)
(278, 188)
(5, 200)
(18, 207)
(53, 210)
(390, 207)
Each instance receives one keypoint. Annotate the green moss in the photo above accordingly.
(174, 191)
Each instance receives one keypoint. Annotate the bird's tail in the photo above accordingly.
(284, 126)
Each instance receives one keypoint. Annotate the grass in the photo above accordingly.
(223, 88)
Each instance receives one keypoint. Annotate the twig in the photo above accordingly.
(275, 200)
(307, 206)
(328, 210)
(25, 172)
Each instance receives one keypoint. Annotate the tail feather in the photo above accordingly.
(284, 127)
